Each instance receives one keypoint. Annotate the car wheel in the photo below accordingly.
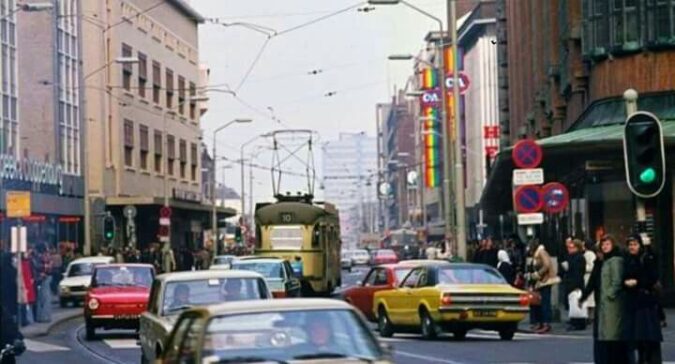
(384, 324)
(507, 334)
(459, 334)
(429, 328)
(63, 303)
(90, 331)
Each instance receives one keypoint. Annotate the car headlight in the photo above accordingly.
(64, 289)
(93, 304)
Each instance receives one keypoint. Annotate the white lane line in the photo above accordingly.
(431, 359)
(40, 347)
(121, 343)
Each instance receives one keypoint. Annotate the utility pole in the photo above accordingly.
(460, 233)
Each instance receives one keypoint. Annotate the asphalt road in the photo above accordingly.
(66, 345)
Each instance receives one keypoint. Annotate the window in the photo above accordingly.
(142, 74)
(169, 88)
(181, 95)
(158, 151)
(128, 143)
(412, 278)
(194, 161)
(661, 22)
(144, 146)
(182, 155)
(193, 104)
(170, 153)
(625, 25)
(156, 82)
(370, 279)
(127, 68)
(596, 27)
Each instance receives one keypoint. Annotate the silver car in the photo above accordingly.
(173, 293)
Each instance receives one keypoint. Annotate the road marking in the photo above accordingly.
(121, 343)
(40, 347)
(425, 357)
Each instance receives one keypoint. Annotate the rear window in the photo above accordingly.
(287, 237)
(478, 275)
(386, 253)
(267, 269)
(179, 296)
(82, 269)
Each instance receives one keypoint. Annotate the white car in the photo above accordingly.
(360, 257)
(221, 262)
(77, 278)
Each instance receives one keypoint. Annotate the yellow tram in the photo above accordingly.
(307, 234)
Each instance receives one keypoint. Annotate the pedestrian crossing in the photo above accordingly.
(37, 346)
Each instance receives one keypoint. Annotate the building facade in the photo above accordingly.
(40, 120)
(142, 76)
(564, 66)
(349, 182)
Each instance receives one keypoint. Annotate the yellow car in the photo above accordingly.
(438, 297)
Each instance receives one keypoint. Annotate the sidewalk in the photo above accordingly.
(560, 327)
(59, 315)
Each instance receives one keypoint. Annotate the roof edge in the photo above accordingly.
(188, 10)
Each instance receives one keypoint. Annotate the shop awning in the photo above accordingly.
(136, 201)
(597, 139)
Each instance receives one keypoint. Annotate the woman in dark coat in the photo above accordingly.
(641, 277)
(575, 269)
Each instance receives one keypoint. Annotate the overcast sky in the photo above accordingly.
(350, 50)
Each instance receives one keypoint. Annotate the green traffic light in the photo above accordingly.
(648, 175)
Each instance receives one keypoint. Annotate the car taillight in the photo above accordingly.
(446, 300)
(279, 294)
(524, 299)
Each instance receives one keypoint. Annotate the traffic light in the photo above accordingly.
(108, 228)
(644, 154)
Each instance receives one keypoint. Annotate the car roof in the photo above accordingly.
(281, 304)
(139, 265)
(260, 260)
(207, 274)
(423, 262)
(97, 259)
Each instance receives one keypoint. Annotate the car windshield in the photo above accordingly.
(386, 253)
(289, 335)
(477, 275)
(266, 269)
(82, 269)
(222, 260)
(182, 295)
(400, 273)
(123, 276)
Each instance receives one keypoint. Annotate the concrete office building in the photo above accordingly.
(144, 136)
(349, 181)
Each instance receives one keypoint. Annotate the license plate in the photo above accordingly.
(126, 317)
(485, 313)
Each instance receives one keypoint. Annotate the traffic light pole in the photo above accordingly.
(630, 97)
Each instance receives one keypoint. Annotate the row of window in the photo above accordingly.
(185, 89)
(616, 26)
(145, 152)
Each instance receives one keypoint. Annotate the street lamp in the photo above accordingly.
(214, 218)
(241, 161)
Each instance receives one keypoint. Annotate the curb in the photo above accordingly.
(48, 328)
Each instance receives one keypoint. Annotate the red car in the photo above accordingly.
(379, 278)
(384, 256)
(117, 296)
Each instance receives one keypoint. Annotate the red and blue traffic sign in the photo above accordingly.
(556, 197)
(528, 199)
(527, 154)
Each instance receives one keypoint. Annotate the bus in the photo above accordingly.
(305, 233)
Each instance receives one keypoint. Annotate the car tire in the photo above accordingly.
(427, 325)
(90, 331)
(63, 302)
(459, 335)
(384, 324)
(507, 335)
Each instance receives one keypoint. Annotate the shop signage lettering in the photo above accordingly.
(187, 195)
(30, 171)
